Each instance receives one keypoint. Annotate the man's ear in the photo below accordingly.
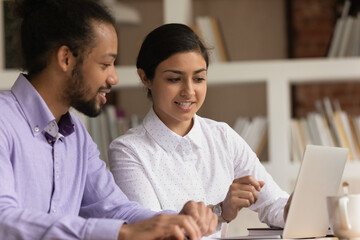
(143, 78)
(65, 58)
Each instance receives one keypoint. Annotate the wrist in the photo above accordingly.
(123, 232)
(218, 210)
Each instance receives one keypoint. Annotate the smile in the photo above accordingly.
(102, 94)
(184, 104)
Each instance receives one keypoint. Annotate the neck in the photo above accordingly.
(49, 87)
(183, 128)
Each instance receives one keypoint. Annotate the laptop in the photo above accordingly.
(319, 176)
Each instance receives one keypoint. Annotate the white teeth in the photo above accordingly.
(102, 93)
(185, 104)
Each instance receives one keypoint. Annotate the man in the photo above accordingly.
(52, 183)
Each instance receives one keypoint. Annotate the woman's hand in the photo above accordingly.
(243, 192)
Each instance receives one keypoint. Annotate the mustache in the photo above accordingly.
(108, 87)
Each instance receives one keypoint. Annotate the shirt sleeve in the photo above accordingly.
(129, 174)
(272, 199)
(104, 199)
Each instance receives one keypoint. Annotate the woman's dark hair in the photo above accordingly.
(164, 42)
(48, 24)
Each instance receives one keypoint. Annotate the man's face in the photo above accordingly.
(92, 78)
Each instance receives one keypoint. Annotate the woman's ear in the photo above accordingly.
(65, 58)
(143, 78)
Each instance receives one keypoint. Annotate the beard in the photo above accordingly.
(76, 94)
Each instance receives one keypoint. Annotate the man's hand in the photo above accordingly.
(287, 206)
(203, 216)
(243, 192)
(163, 226)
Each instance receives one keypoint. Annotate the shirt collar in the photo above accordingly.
(35, 109)
(158, 130)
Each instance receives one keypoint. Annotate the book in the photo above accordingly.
(355, 51)
(354, 134)
(296, 142)
(219, 39)
(210, 33)
(304, 127)
(336, 38)
(275, 231)
(256, 132)
(338, 33)
(262, 142)
(345, 42)
(104, 136)
(346, 126)
(329, 113)
(95, 132)
(315, 136)
(240, 124)
(111, 118)
(342, 134)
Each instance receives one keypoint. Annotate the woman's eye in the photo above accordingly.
(173, 79)
(199, 79)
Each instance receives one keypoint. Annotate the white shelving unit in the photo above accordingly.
(278, 76)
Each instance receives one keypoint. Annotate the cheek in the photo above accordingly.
(202, 91)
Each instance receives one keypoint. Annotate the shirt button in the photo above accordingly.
(53, 210)
(36, 129)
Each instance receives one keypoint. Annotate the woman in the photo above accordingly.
(176, 155)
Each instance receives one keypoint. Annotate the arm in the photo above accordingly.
(104, 199)
(25, 219)
(265, 196)
(130, 176)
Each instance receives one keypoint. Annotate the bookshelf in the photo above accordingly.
(278, 75)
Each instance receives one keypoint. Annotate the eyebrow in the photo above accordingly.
(110, 55)
(182, 73)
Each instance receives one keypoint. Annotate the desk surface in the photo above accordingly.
(259, 237)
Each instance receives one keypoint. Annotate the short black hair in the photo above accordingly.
(48, 24)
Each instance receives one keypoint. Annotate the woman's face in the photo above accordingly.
(178, 90)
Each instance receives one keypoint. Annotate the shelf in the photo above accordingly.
(278, 75)
(7, 79)
(299, 70)
(127, 78)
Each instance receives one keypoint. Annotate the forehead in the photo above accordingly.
(191, 59)
(105, 39)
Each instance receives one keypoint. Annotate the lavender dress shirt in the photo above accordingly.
(52, 183)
